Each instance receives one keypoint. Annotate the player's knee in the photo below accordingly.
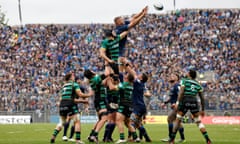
(179, 117)
(76, 118)
(60, 125)
(201, 125)
(196, 120)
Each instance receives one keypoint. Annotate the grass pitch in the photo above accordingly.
(41, 133)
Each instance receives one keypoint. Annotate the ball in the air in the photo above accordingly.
(158, 6)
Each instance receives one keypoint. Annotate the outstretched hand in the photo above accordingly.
(145, 9)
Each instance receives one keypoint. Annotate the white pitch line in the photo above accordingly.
(15, 132)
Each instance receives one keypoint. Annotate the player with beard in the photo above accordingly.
(173, 95)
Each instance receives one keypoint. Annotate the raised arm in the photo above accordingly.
(137, 18)
(139, 14)
(123, 34)
(147, 94)
(129, 68)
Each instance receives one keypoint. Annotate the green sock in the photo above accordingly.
(122, 136)
(92, 132)
(78, 135)
(134, 135)
(173, 135)
(205, 134)
(95, 133)
(55, 132)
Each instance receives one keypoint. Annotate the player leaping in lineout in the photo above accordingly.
(125, 25)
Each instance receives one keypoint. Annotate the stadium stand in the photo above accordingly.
(34, 58)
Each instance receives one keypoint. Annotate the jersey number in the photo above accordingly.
(192, 87)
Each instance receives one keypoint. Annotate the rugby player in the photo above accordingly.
(173, 95)
(68, 107)
(187, 100)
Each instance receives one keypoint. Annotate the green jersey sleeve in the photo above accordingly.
(104, 44)
(182, 82)
(118, 38)
(76, 86)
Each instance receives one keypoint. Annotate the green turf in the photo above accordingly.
(41, 133)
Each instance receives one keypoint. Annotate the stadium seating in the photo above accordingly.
(34, 58)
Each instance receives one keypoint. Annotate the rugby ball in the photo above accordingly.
(158, 6)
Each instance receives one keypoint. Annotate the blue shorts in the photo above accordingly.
(122, 52)
(139, 111)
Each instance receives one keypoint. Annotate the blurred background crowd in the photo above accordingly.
(34, 58)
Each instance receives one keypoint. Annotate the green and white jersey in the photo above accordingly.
(98, 88)
(125, 91)
(112, 48)
(68, 90)
(192, 87)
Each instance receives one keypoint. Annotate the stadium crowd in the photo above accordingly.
(34, 57)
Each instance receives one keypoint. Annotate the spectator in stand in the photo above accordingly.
(34, 57)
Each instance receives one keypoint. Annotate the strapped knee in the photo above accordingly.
(196, 120)
(179, 117)
(76, 117)
(201, 125)
(60, 125)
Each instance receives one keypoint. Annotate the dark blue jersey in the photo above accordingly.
(138, 94)
(119, 30)
(173, 94)
(82, 88)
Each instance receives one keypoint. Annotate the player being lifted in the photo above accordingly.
(109, 50)
(173, 95)
(187, 100)
(121, 26)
